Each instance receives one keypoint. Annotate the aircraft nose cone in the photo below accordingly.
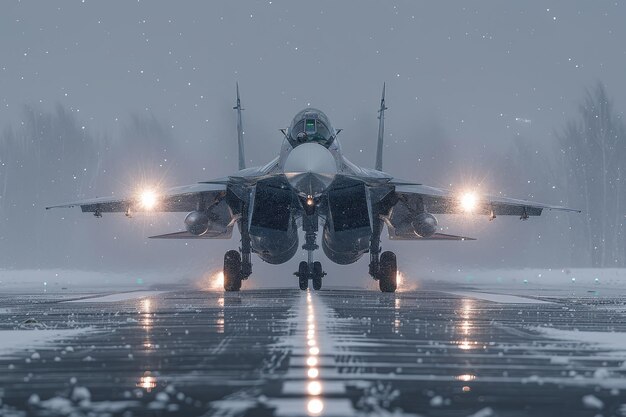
(310, 168)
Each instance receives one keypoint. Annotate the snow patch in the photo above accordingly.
(112, 298)
(582, 282)
(485, 412)
(607, 340)
(12, 341)
(436, 401)
(498, 298)
(591, 401)
(62, 281)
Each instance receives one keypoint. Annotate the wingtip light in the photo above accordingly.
(148, 199)
(468, 201)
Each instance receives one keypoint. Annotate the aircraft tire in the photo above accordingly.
(303, 275)
(387, 276)
(232, 271)
(317, 275)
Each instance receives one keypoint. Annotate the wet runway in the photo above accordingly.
(283, 352)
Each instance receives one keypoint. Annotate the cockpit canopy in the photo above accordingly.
(310, 126)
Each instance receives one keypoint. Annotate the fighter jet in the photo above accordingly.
(311, 184)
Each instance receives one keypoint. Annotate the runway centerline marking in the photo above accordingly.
(312, 359)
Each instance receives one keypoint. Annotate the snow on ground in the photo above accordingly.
(16, 340)
(498, 298)
(605, 340)
(111, 298)
(578, 282)
(67, 281)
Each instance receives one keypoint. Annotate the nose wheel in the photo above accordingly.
(310, 271)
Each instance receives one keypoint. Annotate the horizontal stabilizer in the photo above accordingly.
(436, 236)
(443, 236)
(226, 234)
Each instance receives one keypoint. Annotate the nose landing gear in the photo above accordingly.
(309, 270)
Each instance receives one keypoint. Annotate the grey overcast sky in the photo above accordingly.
(483, 71)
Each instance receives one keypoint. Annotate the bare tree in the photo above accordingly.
(593, 150)
(51, 157)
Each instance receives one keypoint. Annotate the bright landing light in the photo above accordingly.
(469, 201)
(148, 199)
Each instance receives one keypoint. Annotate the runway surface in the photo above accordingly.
(283, 352)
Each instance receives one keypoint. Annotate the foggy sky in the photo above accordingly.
(478, 76)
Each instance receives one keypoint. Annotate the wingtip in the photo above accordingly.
(68, 205)
(571, 210)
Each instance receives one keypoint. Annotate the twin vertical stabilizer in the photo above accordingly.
(381, 132)
(242, 158)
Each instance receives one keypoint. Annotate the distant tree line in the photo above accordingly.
(49, 157)
(584, 167)
(592, 151)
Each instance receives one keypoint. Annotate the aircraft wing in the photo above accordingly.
(442, 201)
(177, 199)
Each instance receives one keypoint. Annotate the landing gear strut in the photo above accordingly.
(383, 267)
(309, 270)
(238, 266)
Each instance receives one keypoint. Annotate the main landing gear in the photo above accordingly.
(238, 266)
(232, 271)
(388, 272)
(383, 267)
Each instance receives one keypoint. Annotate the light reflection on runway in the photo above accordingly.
(147, 381)
(465, 326)
(315, 404)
